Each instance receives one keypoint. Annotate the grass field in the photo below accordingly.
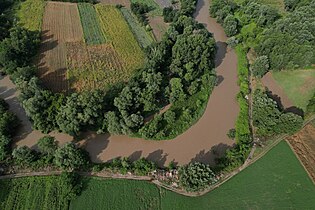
(299, 85)
(32, 193)
(140, 33)
(90, 24)
(277, 181)
(117, 194)
(30, 14)
(117, 31)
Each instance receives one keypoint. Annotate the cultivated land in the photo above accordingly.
(159, 27)
(203, 141)
(30, 14)
(283, 184)
(61, 24)
(299, 85)
(303, 144)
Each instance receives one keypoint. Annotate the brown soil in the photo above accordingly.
(61, 24)
(204, 141)
(303, 144)
(159, 27)
(278, 93)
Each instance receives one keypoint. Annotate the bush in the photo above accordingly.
(196, 176)
(142, 167)
(230, 25)
(47, 145)
(140, 11)
(24, 155)
(4, 146)
(169, 14)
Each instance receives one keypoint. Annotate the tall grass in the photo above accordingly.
(30, 14)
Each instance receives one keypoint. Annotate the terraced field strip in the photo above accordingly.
(91, 67)
(30, 14)
(61, 24)
(90, 23)
(117, 31)
(140, 33)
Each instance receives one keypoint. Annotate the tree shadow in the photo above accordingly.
(221, 52)
(295, 110)
(158, 157)
(276, 98)
(94, 144)
(210, 156)
(219, 80)
(135, 156)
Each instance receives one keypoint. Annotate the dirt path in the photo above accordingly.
(202, 142)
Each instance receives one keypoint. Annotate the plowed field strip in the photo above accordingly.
(61, 24)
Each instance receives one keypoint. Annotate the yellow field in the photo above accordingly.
(116, 31)
(30, 14)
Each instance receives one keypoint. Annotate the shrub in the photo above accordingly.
(24, 155)
(196, 176)
(230, 25)
(260, 67)
(142, 167)
(47, 145)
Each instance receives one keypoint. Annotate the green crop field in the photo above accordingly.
(276, 181)
(32, 193)
(90, 24)
(140, 33)
(117, 194)
(299, 85)
(30, 14)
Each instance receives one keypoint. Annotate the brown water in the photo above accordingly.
(204, 141)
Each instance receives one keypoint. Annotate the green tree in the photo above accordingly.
(24, 155)
(47, 145)
(260, 67)
(68, 157)
(196, 176)
(230, 25)
(4, 146)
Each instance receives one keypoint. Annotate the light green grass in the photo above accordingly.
(117, 194)
(30, 14)
(90, 24)
(299, 85)
(139, 31)
(32, 193)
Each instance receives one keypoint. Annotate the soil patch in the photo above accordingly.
(61, 24)
(159, 27)
(303, 144)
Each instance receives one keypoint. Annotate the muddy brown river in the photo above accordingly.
(203, 142)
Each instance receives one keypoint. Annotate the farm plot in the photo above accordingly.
(90, 23)
(159, 27)
(117, 32)
(303, 143)
(164, 3)
(61, 24)
(140, 33)
(93, 67)
(30, 14)
(33, 193)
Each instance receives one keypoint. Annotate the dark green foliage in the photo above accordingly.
(291, 5)
(311, 105)
(188, 7)
(68, 157)
(80, 110)
(78, 1)
(290, 42)
(142, 167)
(23, 74)
(196, 176)
(4, 146)
(269, 120)
(47, 145)
(72, 185)
(169, 14)
(140, 10)
(230, 25)
(24, 156)
(220, 9)
(232, 133)
(18, 49)
(260, 67)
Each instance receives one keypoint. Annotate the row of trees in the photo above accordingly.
(140, 10)
(188, 7)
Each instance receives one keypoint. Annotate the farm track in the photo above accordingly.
(203, 142)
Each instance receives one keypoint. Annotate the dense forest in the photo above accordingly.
(281, 41)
